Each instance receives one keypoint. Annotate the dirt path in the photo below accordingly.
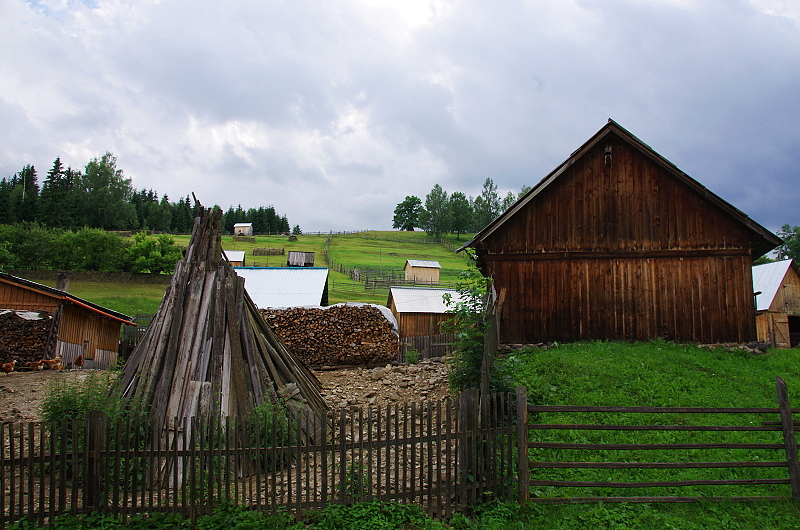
(21, 393)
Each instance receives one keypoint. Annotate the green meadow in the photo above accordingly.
(377, 251)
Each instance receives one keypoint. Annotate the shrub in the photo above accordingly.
(68, 399)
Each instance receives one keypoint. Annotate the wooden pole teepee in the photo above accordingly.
(208, 351)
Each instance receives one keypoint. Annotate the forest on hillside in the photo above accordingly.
(100, 196)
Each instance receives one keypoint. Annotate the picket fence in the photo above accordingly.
(439, 455)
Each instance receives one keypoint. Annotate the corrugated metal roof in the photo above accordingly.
(284, 286)
(424, 263)
(234, 255)
(767, 278)
(416, 300)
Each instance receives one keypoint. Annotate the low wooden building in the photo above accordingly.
(422, 271)
(236, 257)
(419, 311)
(80, 327)
(777, 288)
(243, 229)
(618, 243)
(300, 259)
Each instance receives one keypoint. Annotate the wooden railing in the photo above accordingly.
(760, 454)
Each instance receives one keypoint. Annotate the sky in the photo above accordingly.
(334, 112)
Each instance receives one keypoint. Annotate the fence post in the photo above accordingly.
(523, 468)
(788, 438)
(467, 446)
(94, 445)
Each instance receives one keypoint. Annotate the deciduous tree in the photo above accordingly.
(435, 217)
(406, 214)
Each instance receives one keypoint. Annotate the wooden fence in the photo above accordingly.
(428, 346)
(434, 454)
(758, 454)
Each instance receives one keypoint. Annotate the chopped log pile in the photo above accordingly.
(207, 350)
(24, 339)
(337, 335)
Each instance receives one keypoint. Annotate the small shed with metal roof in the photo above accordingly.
(422, 271)
(777, 289)
(285, 286)
(419, 311)
(243, 229)
(78, 327)
(236, 257)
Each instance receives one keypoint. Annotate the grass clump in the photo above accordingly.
(72, 397)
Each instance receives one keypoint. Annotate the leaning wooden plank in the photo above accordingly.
(208, 350)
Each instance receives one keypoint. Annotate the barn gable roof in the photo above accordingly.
(763, 239)
(416, 300)
(234, 255)
(63, 295)
(426, 264)
(284, 286)
(768, 278)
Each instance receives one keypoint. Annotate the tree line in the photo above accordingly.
(455, 213)
(100, 196)
(33, 246)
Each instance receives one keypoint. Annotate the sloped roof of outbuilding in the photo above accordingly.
(429, 264)
(234, 255)
(763, 240)
(421, 300)
(284, 286)
(63, 295)
(768, 278)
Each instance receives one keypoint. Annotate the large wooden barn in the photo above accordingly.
(618, 243)
(79, 326)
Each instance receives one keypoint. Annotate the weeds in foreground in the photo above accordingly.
(491, 516)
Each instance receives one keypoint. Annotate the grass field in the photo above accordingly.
(366, 250)
(655, 373)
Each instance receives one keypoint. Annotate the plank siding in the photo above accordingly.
(622, 251)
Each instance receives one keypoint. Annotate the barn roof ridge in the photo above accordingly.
(64, 295)
(770, 240)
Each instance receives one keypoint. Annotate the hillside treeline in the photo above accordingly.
(100, 196)
(32, 246)
(454, 213)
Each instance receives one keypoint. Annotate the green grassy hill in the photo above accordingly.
(377, 251)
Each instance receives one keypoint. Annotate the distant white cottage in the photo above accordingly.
(422, 271)
(243, 229)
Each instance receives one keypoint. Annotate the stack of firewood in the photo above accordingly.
(23, 339)
(337, 335)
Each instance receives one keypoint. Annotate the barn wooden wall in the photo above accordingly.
(15, 297)
(422, 274)
(79, 325)
(420, 324)
(623, 252)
